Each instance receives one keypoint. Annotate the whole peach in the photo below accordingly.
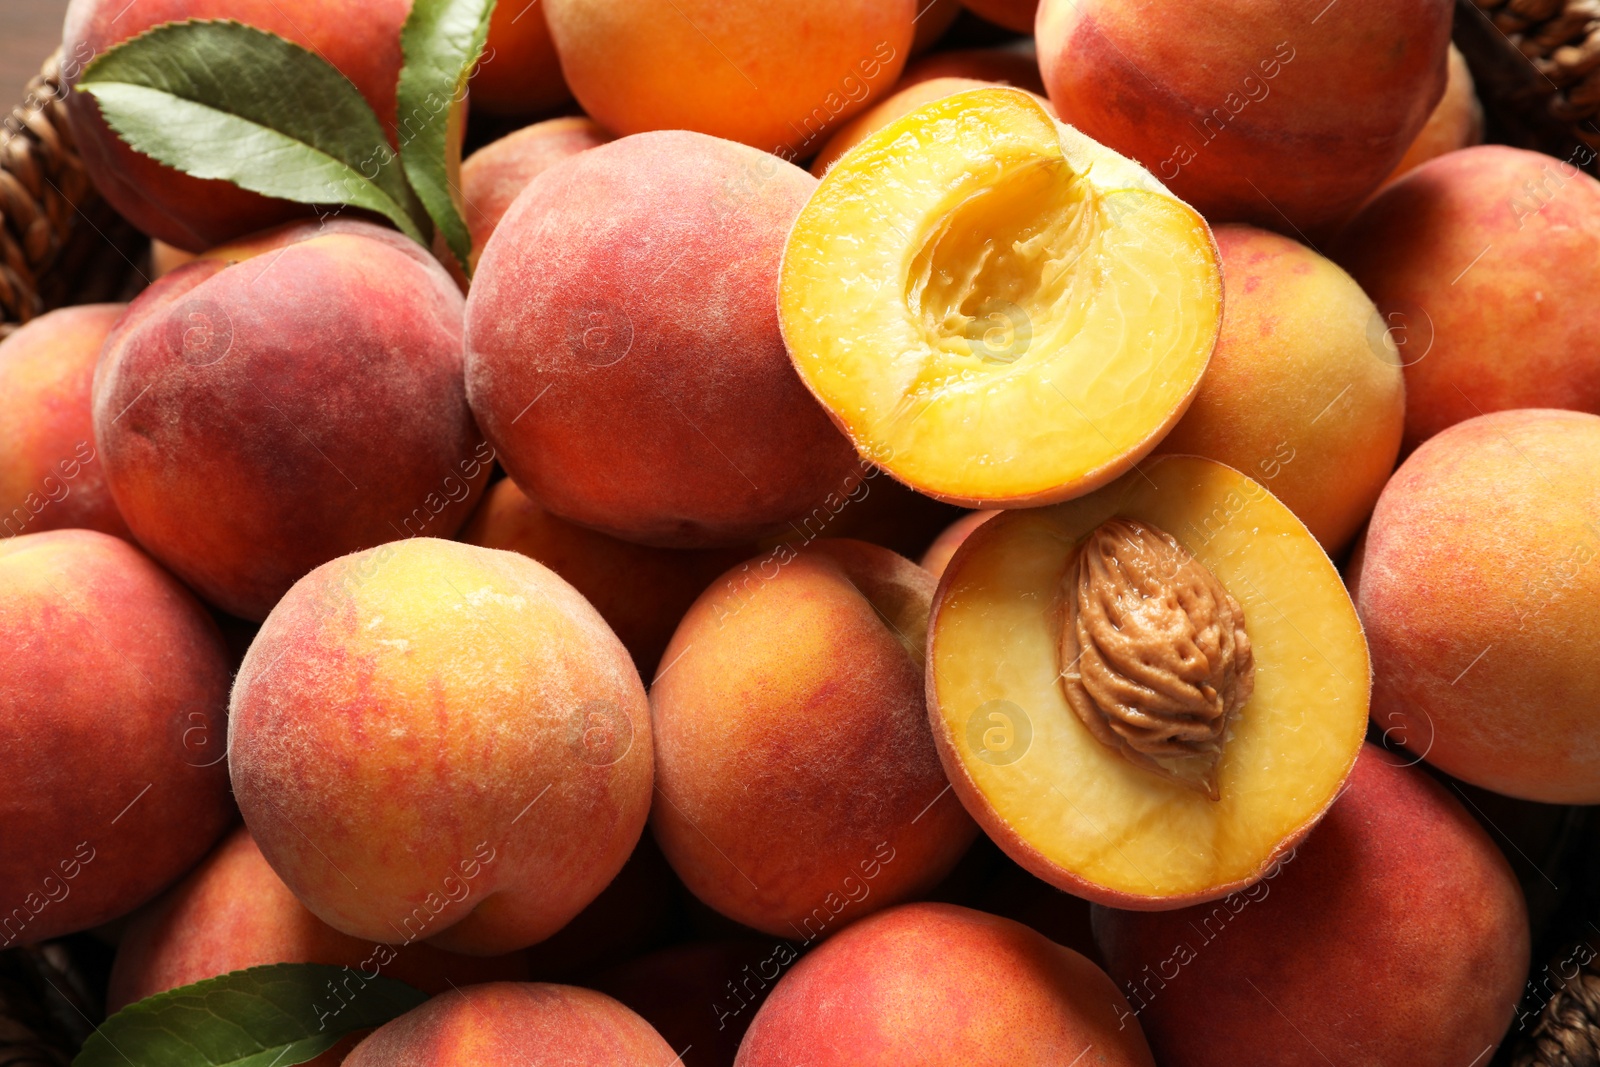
(436, 742)
(1296, 115)
(361, 40)
(1395, 934)
(516, 1024)
(935, 985)
(1304, 392)
(1483, 263)
(284, 401)
(641, 592)
(49, 475)
(113, 687)
(798, 782)
(777, 78)
(623, 350)
(1479, 588)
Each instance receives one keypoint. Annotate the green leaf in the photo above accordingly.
(271, 1016)
(218, 99)
(441, 41)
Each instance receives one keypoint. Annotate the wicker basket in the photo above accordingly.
(1537, 65)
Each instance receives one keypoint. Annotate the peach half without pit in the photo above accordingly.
(1147, 695)
(995, 309)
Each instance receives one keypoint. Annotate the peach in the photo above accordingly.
(1395, 934)
(112, 691)
(1478, 590)
(516, 1024)
(492, 176)
(49, 477)
(1006, 65)
(1016, 15)
(1483, 263)
(453, 730)
(791, 676)
(1180, 692)
(232, 912)
(701, 996)
(902, 101)
(937, 558)
(190, 213)
(1304, 392)
(641, 592)
(1457, 121)
(933, 21)
(623, 352)
(285, 401)
(1293, 120)
(995, 309)
(775, 78)
(935, 985)
(519, 72)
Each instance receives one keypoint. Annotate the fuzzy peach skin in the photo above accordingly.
(285, 401)
(232, 912)
(113, 688)
(1015, 15)
(1396, 934)
(641, 592)
(50, 474)
(799, 786)
(519, 72)
(623, 351)
(362, 41)
(1294, 118)
(935, 985)
(938, 555)
(1479, 588)
(1456, 122)
(775, 77)
(433, 741)
(1484, 263)
(1304, 392)
(492, 176)
(1007, 65)
(516, 1024)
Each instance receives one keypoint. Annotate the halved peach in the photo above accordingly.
(1146, 696)
(996, 309)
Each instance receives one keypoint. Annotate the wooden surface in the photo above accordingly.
(29, 31)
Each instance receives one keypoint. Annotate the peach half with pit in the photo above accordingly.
(996, 309)
(1147, 695)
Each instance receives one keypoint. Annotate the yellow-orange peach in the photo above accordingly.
(642, 592)
(623, 350)
(50, 477)
(934, 985)
(286, 400)
(1457, 121)
(1395, 934)
(434, 741)
(516, 1024)
(798, 786)
(232, 912)
(902, 101)
(1292, 121)
(1483, 263)
(519, 72)
(190, 213)
(1304, 392)
(113, 686)
(1480, 591)
(778, 78)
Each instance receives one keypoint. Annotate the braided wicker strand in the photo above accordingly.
(1568, 1031)
(42, 183)
(1544, 65)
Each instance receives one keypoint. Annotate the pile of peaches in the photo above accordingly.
(574, 631)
